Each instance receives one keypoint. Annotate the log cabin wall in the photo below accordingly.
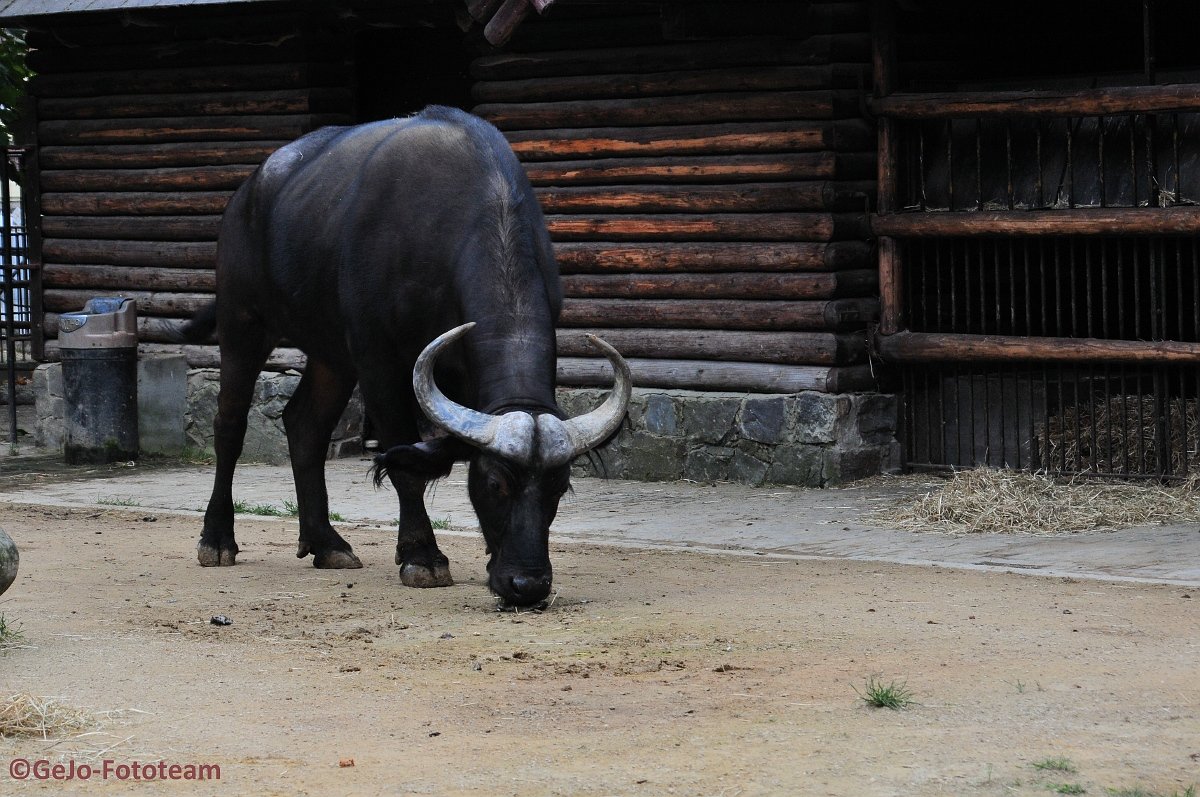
(147, 123)
(704, 170)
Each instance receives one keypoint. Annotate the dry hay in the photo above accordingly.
(24, 715)
(989, 500)
(1122, 435)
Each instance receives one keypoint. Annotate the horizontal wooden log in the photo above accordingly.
(129, 278)
(827, 285)
(124, 203)
(505, 21)
(175, 305)
(132, 228)
(196, 178)
(705, 375)
(833, 315)
(928, 347)
(157, 156)
(661, 84)
(737, 198)
(785, 348)
(225, 77)
(201, 356)
(166, 254)
(718, 139)
(279, 46)
(173, 129)
(707, 227)
(688, 109)
(603, 258)
(75, 31)
(1080, 221)
(716, 169)
(717, 54)
(287, 101)
(1090, 102)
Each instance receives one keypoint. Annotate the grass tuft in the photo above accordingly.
(11, 636)
(1058, 764)
(893, 695)
(117, 500)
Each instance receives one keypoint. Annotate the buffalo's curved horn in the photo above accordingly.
(560, 442)
(509, 435)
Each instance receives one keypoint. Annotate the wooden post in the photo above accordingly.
(891, 314)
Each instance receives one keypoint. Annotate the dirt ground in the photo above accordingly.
(651, 673)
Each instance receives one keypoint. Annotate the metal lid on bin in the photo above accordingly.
(106, 322)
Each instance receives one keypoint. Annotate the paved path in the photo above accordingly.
(782, 522)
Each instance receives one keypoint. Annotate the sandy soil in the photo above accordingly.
(651, 673)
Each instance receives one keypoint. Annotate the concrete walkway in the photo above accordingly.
(776, 522)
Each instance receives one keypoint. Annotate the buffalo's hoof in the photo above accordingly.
(216, 557)
(336, 560)
(424, 576)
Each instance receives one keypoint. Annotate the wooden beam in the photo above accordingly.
(707, 227)
(183, 178)
(779, 316)
(928, 347)
(128, 203)
(1079, 221)
(157, 156)
(191, 129)
(609, 258)
(737, 198)
(785, 348)
(505, 21)
(707, 375)
(717, 169)
(133, 228)
(1091, 102)
(129, 278)
(827, 285)
(175, 305)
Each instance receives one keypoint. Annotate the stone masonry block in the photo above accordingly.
(764, 420)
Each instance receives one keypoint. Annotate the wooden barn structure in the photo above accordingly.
(1028, 279)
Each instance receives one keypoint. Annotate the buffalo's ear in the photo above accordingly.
(428, 460)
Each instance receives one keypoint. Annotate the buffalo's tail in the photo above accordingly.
(200, 328)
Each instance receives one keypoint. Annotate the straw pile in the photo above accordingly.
(988, 500)
(1122, 435)
(24, 715)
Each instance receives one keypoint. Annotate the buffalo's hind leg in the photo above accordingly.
(309, 419)
(244, 350)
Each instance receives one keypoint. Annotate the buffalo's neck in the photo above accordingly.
(512, 362)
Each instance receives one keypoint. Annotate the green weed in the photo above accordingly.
(10, 636)
(880, 695)
(117, 500)
(1059, 764)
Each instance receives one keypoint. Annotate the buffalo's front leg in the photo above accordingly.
(422, 564)
(309, 419)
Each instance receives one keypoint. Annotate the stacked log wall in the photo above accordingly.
(146, 126)
(706, 196)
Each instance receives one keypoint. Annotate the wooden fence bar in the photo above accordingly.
(930, 347)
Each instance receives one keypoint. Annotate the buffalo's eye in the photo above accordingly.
(497, 485)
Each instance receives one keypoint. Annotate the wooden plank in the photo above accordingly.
(1079, 221)
(716, 54)
(157, 156)
(600, 258)
(699, 375)
(179, 178)
(172, 254)
(505, 21)
(175, 129)
(928, 347)
(661, 84)
(706, 227)
(278, 46)
(201, 356)
(785, 348)
(689, 109)
(127, 203)
(737, 198)
(828, 285)
(717, 169)
(1046, 103)
(288, 101)
(137, 228)
(780, 316)
(129, 278)
(175, 305)
(228, 77)
(718, 139)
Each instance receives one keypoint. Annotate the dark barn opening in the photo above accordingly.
(398, 71)
(1046, 163)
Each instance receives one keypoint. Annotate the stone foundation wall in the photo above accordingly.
(810, 439)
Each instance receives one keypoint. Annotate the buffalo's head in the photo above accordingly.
(521, 470)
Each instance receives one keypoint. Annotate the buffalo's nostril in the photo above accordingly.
(530, 588)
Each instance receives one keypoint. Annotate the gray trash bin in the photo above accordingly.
(99, 367)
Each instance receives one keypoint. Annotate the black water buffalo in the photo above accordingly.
(361, 245)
